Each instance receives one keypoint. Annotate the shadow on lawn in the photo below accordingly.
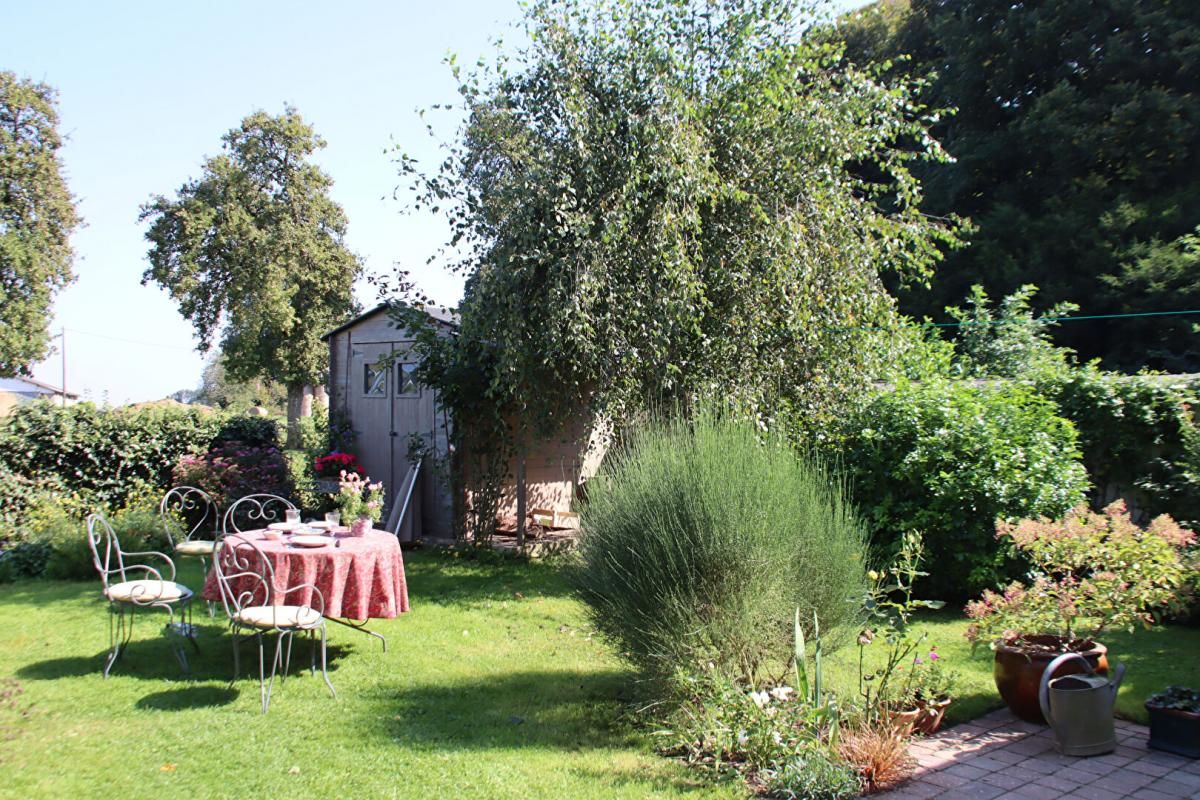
(564, 710)
(152, 659)
(187, 698)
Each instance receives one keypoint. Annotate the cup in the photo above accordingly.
(292, 516)
(333, 518)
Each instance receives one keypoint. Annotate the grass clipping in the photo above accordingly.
(702, 537)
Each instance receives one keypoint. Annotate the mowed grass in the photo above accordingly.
(492, 687)
(1154, 659)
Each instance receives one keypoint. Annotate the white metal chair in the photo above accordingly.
(191, 520)
(255, 511)
(247, 582)
(132, 585)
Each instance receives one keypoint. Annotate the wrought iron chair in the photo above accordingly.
(255, 511)
(191, 520)
(126, 592)
(247, 582)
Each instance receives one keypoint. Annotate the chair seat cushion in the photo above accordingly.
(278, 617)
(148, 591)
(196, 547)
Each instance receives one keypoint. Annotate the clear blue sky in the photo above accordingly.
(146, 91)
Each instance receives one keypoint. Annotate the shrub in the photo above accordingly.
(232, 470)
(258, 432)
(699, 541)
(813, 774)
(25, 560)
(1093, 571)
(98, 455)
(948, 459)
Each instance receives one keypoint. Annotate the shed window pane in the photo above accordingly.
(374, 381)
(406, 382)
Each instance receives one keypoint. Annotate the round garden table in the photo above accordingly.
(360, 577)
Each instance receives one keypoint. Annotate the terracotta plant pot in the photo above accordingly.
(1019, 667)
(930, 718)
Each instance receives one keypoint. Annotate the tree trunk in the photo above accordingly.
(295, 406)
(306, 401)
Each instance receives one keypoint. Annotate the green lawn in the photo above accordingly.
(491, 688)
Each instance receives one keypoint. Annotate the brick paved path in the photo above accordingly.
(999, 756)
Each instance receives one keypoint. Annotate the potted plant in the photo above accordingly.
(909, 690)
(1091, 572)
(360, 502)
(924, 692)
(329, 468)
(1175, 721)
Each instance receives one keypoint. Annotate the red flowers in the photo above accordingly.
(334, 464)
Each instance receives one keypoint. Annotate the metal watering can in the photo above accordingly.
(1079, 708)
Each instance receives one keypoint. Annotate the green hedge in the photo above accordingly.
(948, 458)
(1138, 438)
(84, 456)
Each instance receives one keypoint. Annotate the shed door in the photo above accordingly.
(386, 405)
(370, 401)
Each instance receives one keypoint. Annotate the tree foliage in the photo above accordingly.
(254, 250)
(1074, 139)
(37, 216)
(216, 389)
(672, 198)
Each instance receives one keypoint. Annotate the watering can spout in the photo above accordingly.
(1115, 683)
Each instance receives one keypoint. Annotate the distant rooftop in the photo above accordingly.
(30, 386)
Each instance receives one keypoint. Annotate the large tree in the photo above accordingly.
(1075, 141)
(37, 216)
(254, 251)
(661, 199)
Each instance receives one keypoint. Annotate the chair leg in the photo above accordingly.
(267, 686)
(287, 659)
(236, 657)
(119, 633)
(204, 571)
(324, 670)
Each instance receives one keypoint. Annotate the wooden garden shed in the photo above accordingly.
(371, 387)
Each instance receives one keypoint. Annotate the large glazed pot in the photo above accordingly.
(1019, 667)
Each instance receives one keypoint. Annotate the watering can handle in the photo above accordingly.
(1044, 689)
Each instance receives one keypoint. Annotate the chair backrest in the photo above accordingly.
(244, 573)
(255, 511)
(101, 536)
(187, 511)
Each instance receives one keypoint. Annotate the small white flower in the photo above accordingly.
(743, 738)
(782, 693)
(760, 699)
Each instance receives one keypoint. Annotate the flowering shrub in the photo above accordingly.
(334, 464)
(232, 470)
(358, 497)
(1094, 569)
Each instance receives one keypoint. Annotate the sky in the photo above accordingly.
(146, 90)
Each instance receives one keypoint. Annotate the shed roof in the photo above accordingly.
(436, 313)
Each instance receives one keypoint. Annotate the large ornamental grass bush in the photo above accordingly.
(700, 540)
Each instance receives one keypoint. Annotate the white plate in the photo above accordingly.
(309, 540)
(281, 526)
(321, 524)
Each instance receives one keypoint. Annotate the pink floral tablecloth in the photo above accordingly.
(360, 577)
